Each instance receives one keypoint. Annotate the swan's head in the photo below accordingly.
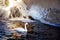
(26, 23)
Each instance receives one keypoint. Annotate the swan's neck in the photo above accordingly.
(25, 26)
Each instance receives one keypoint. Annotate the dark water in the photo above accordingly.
(45, 32)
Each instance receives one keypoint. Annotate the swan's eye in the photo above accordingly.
(24, 16)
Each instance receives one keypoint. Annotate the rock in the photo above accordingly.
(52, 17)
(15, 12)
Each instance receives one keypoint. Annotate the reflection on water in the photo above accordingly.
(36, 30)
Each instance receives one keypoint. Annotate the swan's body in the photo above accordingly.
(23, 31)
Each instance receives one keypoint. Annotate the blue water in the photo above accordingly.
(2, 31)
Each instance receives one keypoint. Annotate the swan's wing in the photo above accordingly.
(20, 29)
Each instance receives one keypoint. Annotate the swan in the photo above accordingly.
(19, 30)
(23, 31)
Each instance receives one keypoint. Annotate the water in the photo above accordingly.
(2, 29)
(40, 31)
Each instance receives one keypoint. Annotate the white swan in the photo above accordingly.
(23, 31)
